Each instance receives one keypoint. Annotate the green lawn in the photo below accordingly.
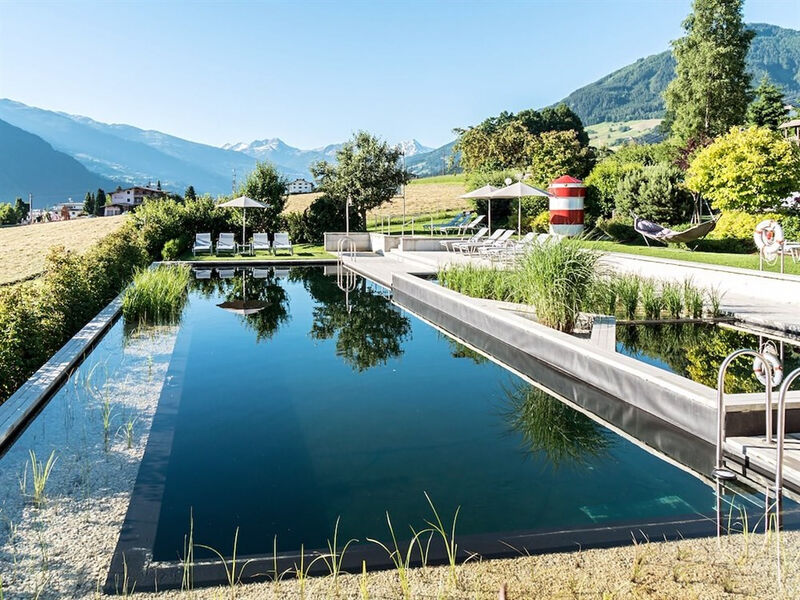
(456, 178)
(742, 261)
(301, 251)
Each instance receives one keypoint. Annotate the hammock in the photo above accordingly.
(654, 231)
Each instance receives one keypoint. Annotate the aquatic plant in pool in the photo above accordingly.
(156, 296)
(343, 408)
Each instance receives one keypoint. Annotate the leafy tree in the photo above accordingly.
(769, 108)
(325, 213)
(709, 94)
(190, 194)
(100, 202)
(602, 182)
(552, 154)
(21, 209)
(655, 193)
(367, 170)
(8, 216)
(750, 169)
(264, 184)
(88, 203)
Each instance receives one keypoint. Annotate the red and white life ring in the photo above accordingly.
(774, 362)
(768, 237)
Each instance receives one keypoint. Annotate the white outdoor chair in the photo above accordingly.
(469, 246)
(260, 242)
(472, 225)
(500, 242)
(226, 243)
(281, 242)
(202, 243)
(450, 244)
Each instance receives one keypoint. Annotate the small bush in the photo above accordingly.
(652, 299)
(541, 222)
(673, 294)
(620, 230)
(628, 292)
(175, 247)
(296, 223)
(156, 295)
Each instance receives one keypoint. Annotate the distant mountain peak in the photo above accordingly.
(412, 147)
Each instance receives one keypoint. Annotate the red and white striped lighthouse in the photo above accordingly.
(566, 205)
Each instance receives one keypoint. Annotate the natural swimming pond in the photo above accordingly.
(695, 351)
(289, 405)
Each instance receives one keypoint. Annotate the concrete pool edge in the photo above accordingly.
(674, 399)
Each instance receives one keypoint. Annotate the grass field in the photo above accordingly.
(614, 133)
(421, 198)
(301, 251)
(458, 178)
(24, 247)
(742, 261)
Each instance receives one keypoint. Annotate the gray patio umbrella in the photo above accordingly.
(483, 193)
(244, 203)
(519, 191)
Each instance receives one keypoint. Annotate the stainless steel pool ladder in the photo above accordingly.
(345, 245)
(720, 471)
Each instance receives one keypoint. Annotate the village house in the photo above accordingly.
(125, 200)
(300, 186)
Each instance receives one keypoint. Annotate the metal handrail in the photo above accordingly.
(720, 472)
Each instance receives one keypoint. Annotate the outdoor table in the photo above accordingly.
(793, 250)
(244, 248)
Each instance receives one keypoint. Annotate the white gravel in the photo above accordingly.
(63, 548)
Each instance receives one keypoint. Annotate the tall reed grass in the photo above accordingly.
(157, 296)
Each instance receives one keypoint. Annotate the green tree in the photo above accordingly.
(99, 202)
(190, 194)
(749, 169)
(552, 154)
(769, 108)
(8, 216)
(367, 170)
(158, 184)
(88, 203)
(710, 92)
(656, 193)
(21, 209)
(264, 184)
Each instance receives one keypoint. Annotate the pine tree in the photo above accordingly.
(88, 203)
(710, 92)
(190, 194)
(158, 185)
(99, 202)
(769, 108)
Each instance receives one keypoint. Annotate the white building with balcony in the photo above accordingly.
(300, 186)
(121, 201)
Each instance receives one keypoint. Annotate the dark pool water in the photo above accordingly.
(320, 407)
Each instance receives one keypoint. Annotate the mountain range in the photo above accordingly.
(636, 90)
(106, 155)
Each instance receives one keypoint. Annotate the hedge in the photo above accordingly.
(40, 316)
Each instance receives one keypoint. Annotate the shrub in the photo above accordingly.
(620, 230)
(541, 222)
(734, 230)
(38, 317)
(174, 248)
(556, 279)
(156, 295)
(656, 193)
(746, 169)
(296, 223)
(652, 300)
(628, 287)
(324, 214)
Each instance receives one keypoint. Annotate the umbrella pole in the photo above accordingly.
(490, 215)
(244, 212)
(519, 217)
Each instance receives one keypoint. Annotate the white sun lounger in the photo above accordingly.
(226, 243)
(202, 243)
(281, 242)
(468, 247)
(448, 244)
(472, 225)
(260, 242)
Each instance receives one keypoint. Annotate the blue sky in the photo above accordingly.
(311, 73)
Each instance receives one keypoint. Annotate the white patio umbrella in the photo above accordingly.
(519, 191)
(244, 203)
(483, 193)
